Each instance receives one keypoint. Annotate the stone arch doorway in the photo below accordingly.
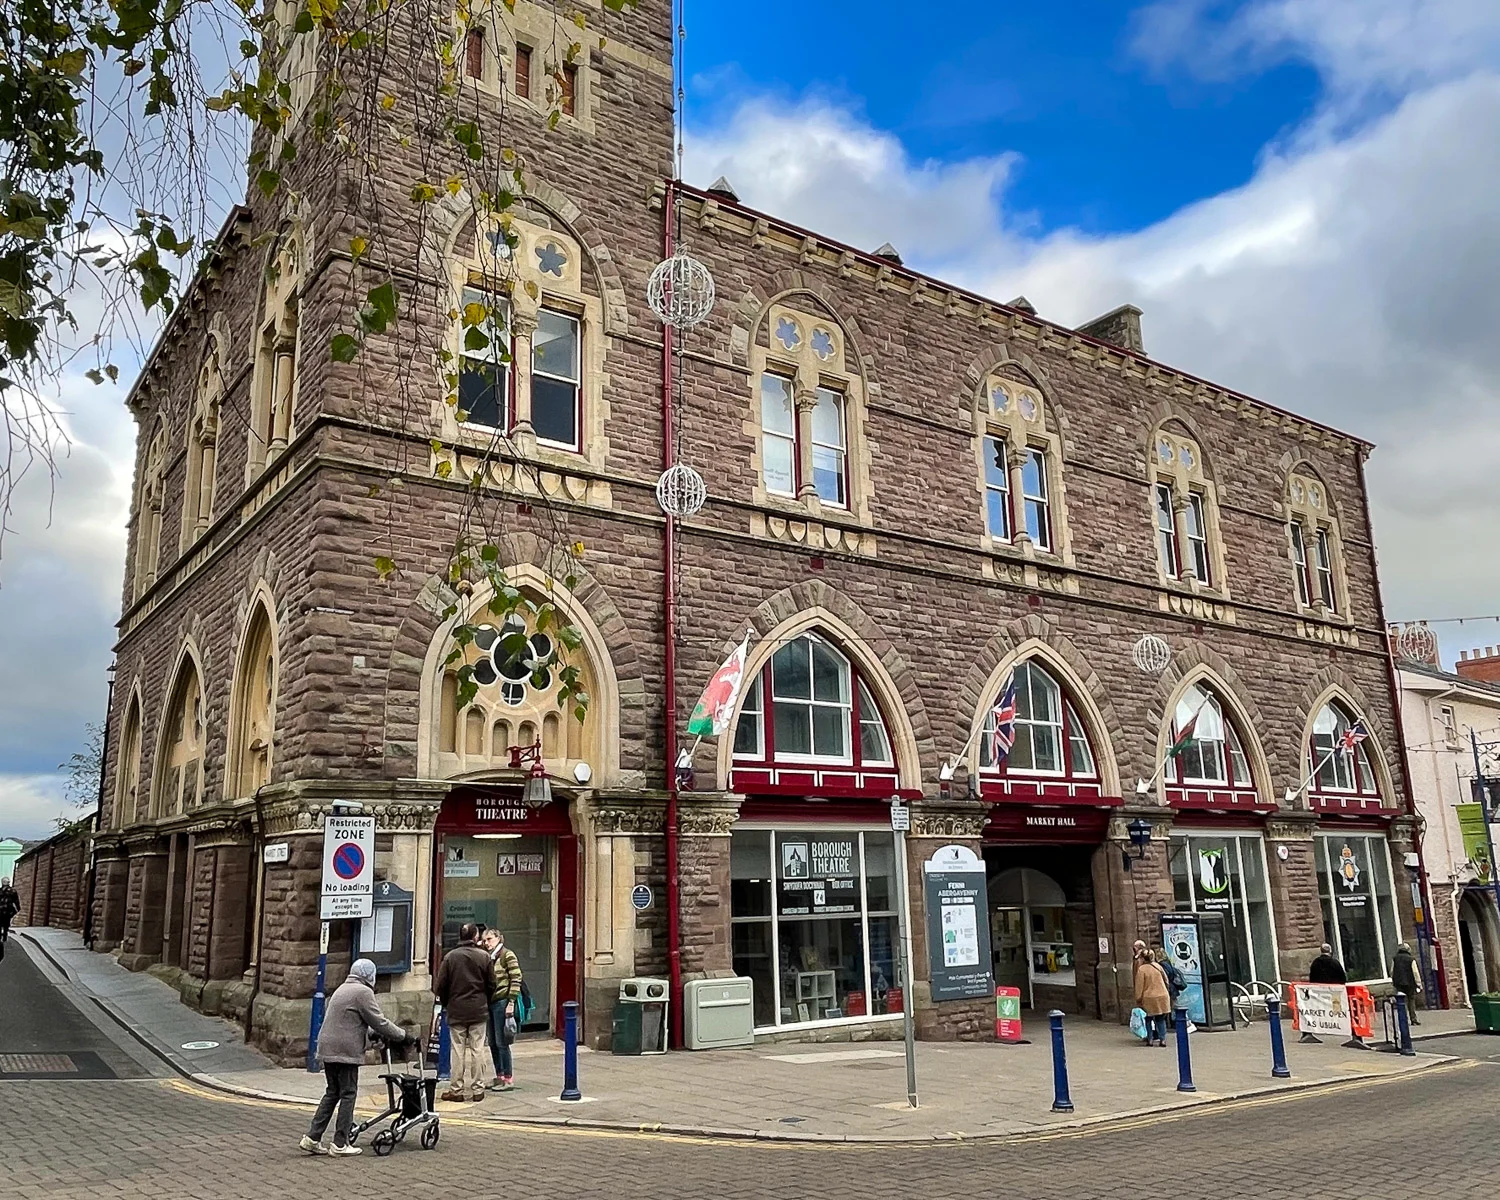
(1479, 938)
(1035, 927)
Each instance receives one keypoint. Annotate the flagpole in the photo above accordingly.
(1293, 793)
(1143, 786)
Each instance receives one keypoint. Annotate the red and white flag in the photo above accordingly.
(717, 704)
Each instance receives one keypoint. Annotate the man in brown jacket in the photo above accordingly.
(464, 986)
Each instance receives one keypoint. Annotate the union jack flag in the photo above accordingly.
(1352, 736)
(1004, 715)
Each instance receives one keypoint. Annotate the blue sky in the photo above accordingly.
(1108, 143)
(1299, 194)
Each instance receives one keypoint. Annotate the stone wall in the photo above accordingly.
(51, 881)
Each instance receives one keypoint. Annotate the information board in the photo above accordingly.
(958, 926)
(348, 868)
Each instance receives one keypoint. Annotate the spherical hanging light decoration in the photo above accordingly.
(1151, 655)
(680, 291)
(681, 491)
(1417, 643)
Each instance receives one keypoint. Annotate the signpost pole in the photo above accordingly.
(317, 1006)
(900, 823)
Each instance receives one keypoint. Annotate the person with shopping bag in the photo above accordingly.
(1152, 996)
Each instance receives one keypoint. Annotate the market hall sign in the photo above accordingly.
(818, 876)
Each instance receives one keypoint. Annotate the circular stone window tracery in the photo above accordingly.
(517, 669)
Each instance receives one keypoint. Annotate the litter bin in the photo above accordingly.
(1486, 1012)
(639, 1025)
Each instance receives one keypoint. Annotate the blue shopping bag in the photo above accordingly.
(1138, 1024)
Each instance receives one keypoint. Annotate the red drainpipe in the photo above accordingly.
(1394, 683)
(669, 623)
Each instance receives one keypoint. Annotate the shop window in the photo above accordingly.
(1215, 754)
(179, 776)
(1050, 739)
(813, 923)
(1227, 875)
(1031, 932)
(820, 711)
(1337, 758)
(1359, 904)
(255, 709)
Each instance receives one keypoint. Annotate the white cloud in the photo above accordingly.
(30, 805)
(1350, 280)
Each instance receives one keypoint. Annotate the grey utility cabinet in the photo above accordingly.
(718, 1013)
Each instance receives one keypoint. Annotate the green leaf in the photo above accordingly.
(386, 567)
(268, 182)
(344, 347)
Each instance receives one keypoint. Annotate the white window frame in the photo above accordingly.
(995, 445)
(1167, 549)
(766, 432)
(1041, 537)
(1343, 764)
(1196, 522)
(575, 380)
(1300, 564)
(808, 829)
(1323, 550)
(839, 448)
(845, 707)
(752, 705)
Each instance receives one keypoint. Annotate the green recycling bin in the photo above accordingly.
(1486, 1012)
(639, 1023)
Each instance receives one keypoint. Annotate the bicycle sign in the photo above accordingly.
(348, 868)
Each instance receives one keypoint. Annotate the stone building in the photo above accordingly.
(915, 495)
(1440, 710)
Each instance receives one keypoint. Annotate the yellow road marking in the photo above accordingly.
(1105, 1125)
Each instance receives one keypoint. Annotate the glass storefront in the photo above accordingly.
(506, 883)
(814, 923)
(1359, 905)
(1226, 873)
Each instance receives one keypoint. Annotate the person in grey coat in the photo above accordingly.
(1406, 977)
(352, 1015)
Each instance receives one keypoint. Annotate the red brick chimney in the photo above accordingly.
(1481, 664)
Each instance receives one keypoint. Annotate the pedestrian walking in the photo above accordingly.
(505, 1008)
(10, 905)
(1152, 995)
(464, 985)
(1326, 968)
(351, 1017)
(1407, 979)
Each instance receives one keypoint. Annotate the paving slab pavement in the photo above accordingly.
(844, 1092)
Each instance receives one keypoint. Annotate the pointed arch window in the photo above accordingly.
(179, 780)
(255, 709)
(128, 770)
(277, 356)
(203, 439)
(1316, 554)
(150, 500)
(810, 720)
(1052, 755)
(1334, 768)
(1211, 769)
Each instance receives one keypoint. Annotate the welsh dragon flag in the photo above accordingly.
(1184, 738)
(716, 705)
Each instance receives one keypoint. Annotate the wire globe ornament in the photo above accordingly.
(1151, 654)
(681, 491)
(1417, 643)
(680, 291)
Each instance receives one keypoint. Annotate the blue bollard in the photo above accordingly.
(1184, 1058)
(1061, 1101)
(1279, 1068)
(1403, 1027)
(445, 1049)
(570, 1052)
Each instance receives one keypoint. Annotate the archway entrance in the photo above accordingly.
(1034, 930)
(1477, 935)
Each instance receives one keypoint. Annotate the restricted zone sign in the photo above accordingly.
(348, 868)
